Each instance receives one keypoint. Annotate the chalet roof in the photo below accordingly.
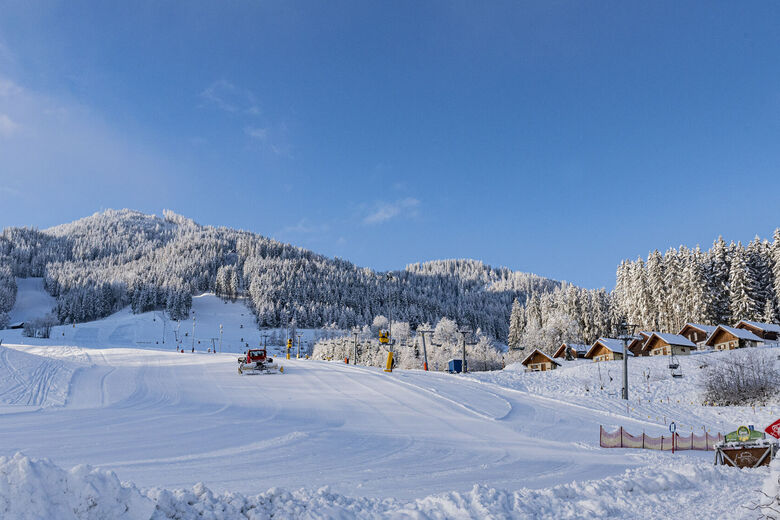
(578, 347)
(534, 351)
(708, 329)
(739, 333)
(674, 339)
(615, 345)
(766, 327)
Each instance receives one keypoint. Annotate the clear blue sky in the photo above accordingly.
(550, 137)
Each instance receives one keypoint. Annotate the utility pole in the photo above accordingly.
(425, 351)
(162, 317)
(193, 330)
(298, 353)
(354, 347)
(220, 338)
(627, 334)
(265, 338)
(390, 315)
(463, 333)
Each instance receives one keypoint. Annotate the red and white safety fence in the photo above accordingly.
(672, 442)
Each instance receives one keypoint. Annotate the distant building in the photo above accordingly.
(729, 338)
(636, 346)
(660, 344)
(697, 333)
(538, 361)
(606, 349)
(767, 331)
(571, 351)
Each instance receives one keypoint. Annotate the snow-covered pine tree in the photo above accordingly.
(515, 325)
(742, 303)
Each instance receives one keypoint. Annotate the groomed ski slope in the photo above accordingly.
(168, 420)
(327, 440)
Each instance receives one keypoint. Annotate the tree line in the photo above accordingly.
(102, 263)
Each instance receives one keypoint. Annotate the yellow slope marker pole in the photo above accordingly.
(389, 366)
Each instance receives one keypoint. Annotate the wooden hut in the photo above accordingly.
(571, 351)
(660, 344)
(729, 338)
(697, 333)
(538, 361)
(606, 349)
(766, 331)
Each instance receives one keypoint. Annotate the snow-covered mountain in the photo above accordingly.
(99, 264)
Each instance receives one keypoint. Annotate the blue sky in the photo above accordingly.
(550, 137)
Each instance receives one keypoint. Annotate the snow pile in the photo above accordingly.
(658, 493)
(35, 489)
(770, 498)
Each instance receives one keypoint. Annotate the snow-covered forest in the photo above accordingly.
(728, 283)
(101, 263)
(442, 345)
(566, 314)
(725, 284)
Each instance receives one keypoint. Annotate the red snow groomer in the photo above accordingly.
(256, 361)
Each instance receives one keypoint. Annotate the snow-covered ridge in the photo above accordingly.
(34, 489)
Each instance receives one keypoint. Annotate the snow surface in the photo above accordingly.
(35, 489)
(32, 301)
(149, 329)
(329, 440)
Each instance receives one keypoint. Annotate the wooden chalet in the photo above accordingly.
(636, 346)
(729, 338)
(606, 349)
(571, 351)
(538, 361)
(697, 333)
(660, 344)
(766, 331)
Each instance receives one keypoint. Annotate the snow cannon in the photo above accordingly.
(256, 361)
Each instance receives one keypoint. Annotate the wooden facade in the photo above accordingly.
(728, 338)
(697, 333)
(538, 361)
(571, 351)
(765, 331)
(668, 344)
(606, 349)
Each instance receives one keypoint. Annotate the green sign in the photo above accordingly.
(744, 434)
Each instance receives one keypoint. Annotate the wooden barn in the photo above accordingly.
(660, 344)
(729, 338)
(766, 331)
(571, 351)
(538, 361)
(697, 333)
(606, 349)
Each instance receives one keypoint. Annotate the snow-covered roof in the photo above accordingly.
(675, 339)
(739, 333)
(534, 351)
(578, 347)
(709, 329)
(767, 327)
(615, 345)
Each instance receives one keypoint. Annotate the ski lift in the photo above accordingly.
(674, 366)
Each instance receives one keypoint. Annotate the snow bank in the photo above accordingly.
(35, 489)
(770, 498)
(657, 492)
